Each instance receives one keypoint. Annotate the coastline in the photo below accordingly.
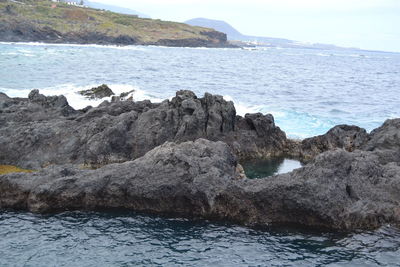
(42, 21)
(113, 46)
(158, 158)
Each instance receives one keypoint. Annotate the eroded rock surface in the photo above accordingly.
(338, 190)
(341, 136)
(99, 92)
(352, 181)
(40, 131)
(173, 178)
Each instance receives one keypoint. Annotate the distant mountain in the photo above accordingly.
(116, 9)
(221, 25)
(235, 35)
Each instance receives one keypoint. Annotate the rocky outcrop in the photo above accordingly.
(352, 181)
(385, 137)
(349, 138)
(180, 179)
(338, 190)
(214, 39)
(40, 131)
(341, 136)
(99, 92)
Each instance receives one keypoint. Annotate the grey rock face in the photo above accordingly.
(385, 137)
(338, 190)
(173, 178)
(40, 130)
(99, 92)
(354, 187)
(341, 136)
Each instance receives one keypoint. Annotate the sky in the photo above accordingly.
(366, 24)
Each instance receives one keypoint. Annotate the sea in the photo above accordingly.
(308, 91)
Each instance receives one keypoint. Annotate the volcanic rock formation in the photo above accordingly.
(352, 182)
(39, 131)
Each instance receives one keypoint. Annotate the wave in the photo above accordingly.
(77, 101)
(300, 125)
(127, 47)
(242, 108)
(297, 125)
(19, 52)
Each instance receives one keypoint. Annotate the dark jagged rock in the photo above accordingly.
(385, 137)
(341, 136)
(385, 141)
(123, 95)
(354, 189)
(41, 130)
(339, 190)
(257, 136)
(173, 178)
(99, 92)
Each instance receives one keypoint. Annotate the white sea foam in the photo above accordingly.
(298, 126)
(77, 101)
(20, 52)
(127, 47)
(241, 108)
(10, 54)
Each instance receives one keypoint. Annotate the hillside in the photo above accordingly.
(46, 21)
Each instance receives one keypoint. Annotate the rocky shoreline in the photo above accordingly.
(20, 32)
(182, 157)
(62, 23)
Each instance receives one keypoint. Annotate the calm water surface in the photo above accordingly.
(269, 167)
(308, 91)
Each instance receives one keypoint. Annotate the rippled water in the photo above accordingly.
(127, 239)
(308, 91)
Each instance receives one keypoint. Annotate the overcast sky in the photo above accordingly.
(367, 24)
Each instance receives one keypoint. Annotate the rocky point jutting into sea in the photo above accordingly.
(61, 22)
(182, 157)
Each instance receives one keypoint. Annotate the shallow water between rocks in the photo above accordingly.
(269, 167)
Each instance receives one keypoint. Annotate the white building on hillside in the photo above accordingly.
(72, 3)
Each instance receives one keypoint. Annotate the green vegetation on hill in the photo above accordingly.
(31, 20)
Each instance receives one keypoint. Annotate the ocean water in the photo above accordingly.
(129, 239)
(307, 91)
